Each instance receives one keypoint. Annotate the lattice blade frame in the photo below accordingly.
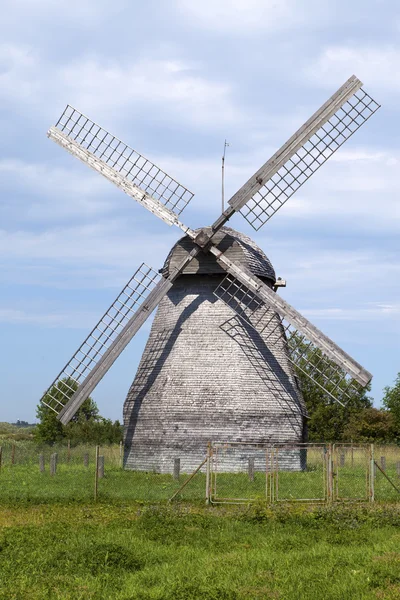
(304, 355)
(125, 160)
(100, 338)
(296, 319)
(127, 169)
(309, 148)
(309, 359)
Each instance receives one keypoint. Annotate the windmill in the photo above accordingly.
(233, 293)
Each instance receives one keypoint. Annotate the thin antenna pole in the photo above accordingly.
(223, 176)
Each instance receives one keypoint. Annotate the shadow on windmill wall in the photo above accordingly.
(156, 353)
(270, 372)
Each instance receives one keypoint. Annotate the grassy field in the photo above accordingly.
(57, 543)
(182, 552)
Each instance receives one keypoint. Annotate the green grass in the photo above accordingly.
(75, 483)
(57, 543)
(182, 552)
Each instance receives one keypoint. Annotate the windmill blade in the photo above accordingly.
(127, 169)
(255, 302)
(295, 162)
(274, 330)
(109, 337)
(105, 342)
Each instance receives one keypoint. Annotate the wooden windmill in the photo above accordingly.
(224, 349)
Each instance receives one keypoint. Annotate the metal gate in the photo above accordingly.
(297, 473)
(241, 473)
(352, 472)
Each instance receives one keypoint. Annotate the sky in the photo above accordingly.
(174, 80)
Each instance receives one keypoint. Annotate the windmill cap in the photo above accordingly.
(237, 247)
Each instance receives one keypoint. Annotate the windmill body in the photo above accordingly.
(205, 375)
(224, 349)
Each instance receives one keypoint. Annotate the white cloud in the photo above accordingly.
(18, 68)
(83, 15)
(358, 187)
(53, 192)
(53, 319)
(103, 254)
(361, 154)
(111, 88)
(245, 17)
(375, 311)
(327, 268)
(377, 66)
(103, 87)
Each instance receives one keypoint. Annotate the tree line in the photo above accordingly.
(327, 421)
(357, 420)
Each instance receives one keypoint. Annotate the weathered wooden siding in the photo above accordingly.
(204, 376)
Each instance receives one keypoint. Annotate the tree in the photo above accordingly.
(99, 431)
(391, 401)
(370, 425)
(327, 418)
(86, 426)
(49, 429)
(88, 411)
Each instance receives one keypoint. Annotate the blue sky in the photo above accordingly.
(173, 80)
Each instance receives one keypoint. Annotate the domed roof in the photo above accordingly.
(236, 246)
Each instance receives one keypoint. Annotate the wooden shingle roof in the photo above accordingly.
(237, 246)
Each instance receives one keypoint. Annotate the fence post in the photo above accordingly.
(177, 467)
(86, 459)
(69, 451)
(53, 464)
(101, 467)
(383, 462)
(13, 454)
(121, 455)
(372, 475)
(208, 473)
(251, 468)
(96, 472)
(397, 467)
(41, 463)
(329, 472)
(268, 476)
(352, 454)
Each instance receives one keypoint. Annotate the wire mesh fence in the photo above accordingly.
(228, 473)
(86, 472)
(310, 473)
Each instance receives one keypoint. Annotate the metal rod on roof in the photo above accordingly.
(223, 175)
